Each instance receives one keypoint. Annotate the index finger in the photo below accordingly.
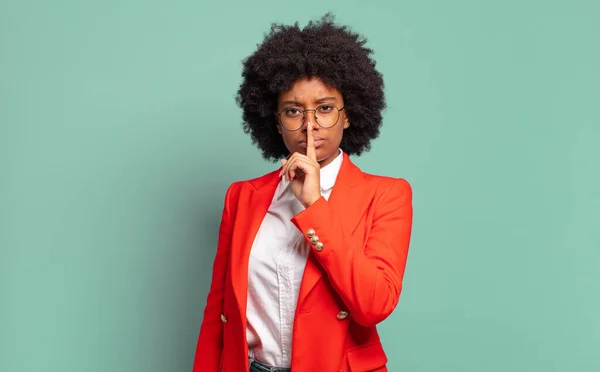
(311, 151)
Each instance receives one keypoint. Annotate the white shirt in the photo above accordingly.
(275, 271)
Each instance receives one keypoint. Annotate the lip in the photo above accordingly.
(318, 142)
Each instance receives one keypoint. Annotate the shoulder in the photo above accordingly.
(257, 182)
(387, 186)
(382, 184)
(233, 191)
(385, 180)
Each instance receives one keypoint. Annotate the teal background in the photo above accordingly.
(119, 135)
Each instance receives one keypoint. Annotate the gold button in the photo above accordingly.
(223, 319)
(310, 233)
(314, 239)
(319, 246)
(342, 315)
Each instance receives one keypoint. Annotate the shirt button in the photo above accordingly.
(223, 319)
(314, 239)
(310, 233)
(319, 246)
(342, 315)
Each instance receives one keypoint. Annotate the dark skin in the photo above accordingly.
(312, 146)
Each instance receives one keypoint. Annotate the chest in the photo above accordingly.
(279, 251)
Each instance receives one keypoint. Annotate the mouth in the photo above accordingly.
(318, 142)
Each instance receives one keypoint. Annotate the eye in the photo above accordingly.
(292, 112)
(325, 109)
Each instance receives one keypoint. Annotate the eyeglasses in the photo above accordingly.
(293, 118)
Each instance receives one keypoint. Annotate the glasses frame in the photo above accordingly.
(304, 117)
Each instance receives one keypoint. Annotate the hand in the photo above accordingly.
(304, 172)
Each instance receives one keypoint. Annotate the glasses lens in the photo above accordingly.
(327, 115)
(291, 118)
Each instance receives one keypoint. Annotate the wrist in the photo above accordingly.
(311, 201)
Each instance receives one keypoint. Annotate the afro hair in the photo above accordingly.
(334, 54)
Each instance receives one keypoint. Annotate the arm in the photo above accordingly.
(210, 340)
(368, 277)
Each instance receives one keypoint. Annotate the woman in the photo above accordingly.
(311, 256)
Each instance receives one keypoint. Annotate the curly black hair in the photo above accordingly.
(333, 53)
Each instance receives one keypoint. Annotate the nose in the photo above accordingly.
(313, 115)
(310, 116)
(315, 126)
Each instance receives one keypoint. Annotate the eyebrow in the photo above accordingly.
(320, 100)
(326, 99)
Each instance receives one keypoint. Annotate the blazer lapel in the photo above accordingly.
(349, 199)
(254, 201)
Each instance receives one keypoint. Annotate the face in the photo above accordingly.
(310, 94)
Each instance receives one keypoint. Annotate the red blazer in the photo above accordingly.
(350, 285)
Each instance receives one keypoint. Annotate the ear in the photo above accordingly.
(346, 122)
(276, 122)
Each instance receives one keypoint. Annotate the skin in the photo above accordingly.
(311, 147)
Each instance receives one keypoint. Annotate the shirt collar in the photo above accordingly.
(328, 175)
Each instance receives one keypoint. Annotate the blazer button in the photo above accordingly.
(342, 315)
(223, 319)
(319, 246)
(310, 233)
(314, 239)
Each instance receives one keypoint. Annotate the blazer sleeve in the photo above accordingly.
(367, 276)
(210, 339)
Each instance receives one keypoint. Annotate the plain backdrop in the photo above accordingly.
(119, 135)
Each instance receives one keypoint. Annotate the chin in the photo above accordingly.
(324, 154)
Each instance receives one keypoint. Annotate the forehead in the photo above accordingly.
(308, 90)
